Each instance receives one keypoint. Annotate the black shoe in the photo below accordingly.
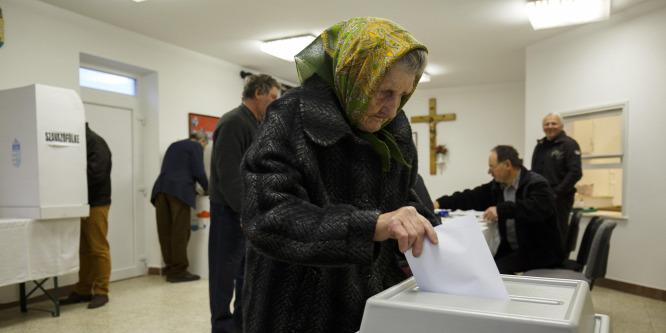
(97, 301)
(188, 277)
(74, 298)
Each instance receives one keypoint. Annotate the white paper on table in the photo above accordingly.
(461, 264)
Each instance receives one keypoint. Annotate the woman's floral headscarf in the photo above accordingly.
(353, 57)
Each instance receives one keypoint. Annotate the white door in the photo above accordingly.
(112, 117)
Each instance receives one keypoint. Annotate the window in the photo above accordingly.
(601, 135)
(91, 78)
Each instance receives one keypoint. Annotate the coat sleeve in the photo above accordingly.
(282, 218)
(422, 209)
(573, 167)
(479, 198)
(198, 170)
(98, 161)
(418, 194)
(230, 145)
(534, 205)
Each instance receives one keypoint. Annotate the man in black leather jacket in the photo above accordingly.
(522, 203)
(557, 158)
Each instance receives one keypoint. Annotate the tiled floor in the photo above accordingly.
(143, 304)
(630, 313)
(149, 304)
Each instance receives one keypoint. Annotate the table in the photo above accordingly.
(34, 250)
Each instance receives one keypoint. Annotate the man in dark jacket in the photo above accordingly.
(94, 251)
(522, 203)
(557, 158)
(234, 133)
(173, 194)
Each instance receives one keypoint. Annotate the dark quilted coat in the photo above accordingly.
(312, 194)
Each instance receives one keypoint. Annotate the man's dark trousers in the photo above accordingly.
(226, 263)
(563, 206)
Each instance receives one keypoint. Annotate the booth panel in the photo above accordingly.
(18, 149)
(42, 153)
(61, 147)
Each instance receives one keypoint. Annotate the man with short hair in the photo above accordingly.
(173, 194)
(94, 251)
(234, 133)
(557, 158)
(522, 203)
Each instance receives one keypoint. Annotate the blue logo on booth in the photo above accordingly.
(16, 153)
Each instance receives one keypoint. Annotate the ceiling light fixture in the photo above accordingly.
(287, 48)
(425, 77)
(545, 14)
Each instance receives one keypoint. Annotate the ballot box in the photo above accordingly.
(42, 153)
(537, 305)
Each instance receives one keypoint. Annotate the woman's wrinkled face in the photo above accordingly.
(385, 101)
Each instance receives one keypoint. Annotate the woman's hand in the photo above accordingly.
(408, 227)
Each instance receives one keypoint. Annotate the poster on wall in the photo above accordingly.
(202, 123)
(2, 29)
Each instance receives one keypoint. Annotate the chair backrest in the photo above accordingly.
(572, 234)
(597, 261)
(588, 237)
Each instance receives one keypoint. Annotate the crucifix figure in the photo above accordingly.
(433, 118)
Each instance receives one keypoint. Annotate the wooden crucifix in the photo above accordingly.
(433, 118)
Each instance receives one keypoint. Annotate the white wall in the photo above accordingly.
(620, 60)
(486, 116)
(43, 44)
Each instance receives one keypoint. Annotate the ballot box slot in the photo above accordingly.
(526, 299)
(536, 300)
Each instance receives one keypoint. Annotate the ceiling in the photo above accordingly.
(471, 42)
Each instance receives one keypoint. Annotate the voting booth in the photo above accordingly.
(537, 305)
(43, 153)
(43, 185)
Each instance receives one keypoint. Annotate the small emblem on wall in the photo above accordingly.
(16, 153)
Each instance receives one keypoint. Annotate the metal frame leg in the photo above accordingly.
(38, 285)
(22, 299)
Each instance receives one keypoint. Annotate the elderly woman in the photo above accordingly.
(328, 203)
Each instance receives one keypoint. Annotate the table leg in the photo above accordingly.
(38, 285)
(22, 299)
(56, 294)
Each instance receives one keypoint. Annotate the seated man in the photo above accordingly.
(522, 203)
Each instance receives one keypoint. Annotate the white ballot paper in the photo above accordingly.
(461, 264)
